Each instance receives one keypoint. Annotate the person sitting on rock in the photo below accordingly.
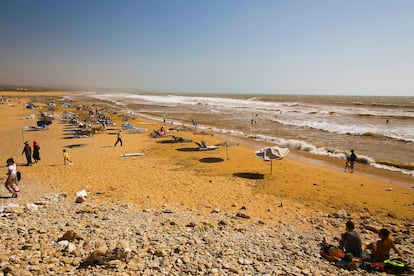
(341, 259)
(350, 241)
(381, 248)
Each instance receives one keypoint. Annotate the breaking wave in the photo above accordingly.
(400, 134)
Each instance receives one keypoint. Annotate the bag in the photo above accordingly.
(18, 176)
(394, 266)
(373, 266)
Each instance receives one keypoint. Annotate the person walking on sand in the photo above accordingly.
(27, 150)
(11, 181)
(119, 138)
(66, 158)
(352, 160)
(36, 151)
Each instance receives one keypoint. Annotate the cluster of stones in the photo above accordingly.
(60, 235)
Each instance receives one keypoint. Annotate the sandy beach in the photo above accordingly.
(169, 174)
(174, 175)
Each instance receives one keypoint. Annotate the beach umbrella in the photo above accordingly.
(271, 154)
(227, 144)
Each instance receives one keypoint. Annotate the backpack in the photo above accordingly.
(18, 176)
(394, 266)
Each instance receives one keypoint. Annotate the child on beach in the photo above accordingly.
(347, 164)
(11, 181)
(381, 249)
(66, 157)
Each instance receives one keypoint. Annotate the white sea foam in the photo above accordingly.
(398, 133)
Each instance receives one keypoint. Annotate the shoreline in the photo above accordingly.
(174, 200)
(332, 168)
(386, 179)
(336, 164)
(299, 168)
(325, 139)
(330, 162)
(317, 150)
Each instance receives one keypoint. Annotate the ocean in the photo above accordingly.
(379, 129)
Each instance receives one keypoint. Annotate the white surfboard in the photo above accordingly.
(131, 154)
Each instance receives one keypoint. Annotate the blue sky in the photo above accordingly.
(349, 47)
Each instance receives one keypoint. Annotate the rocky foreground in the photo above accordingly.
(61, 234)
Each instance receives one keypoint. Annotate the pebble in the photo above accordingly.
(55, 235)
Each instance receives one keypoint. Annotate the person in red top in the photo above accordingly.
(36, 151)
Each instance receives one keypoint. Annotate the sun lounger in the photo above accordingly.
(181, 139)
(107, 122)
(35, 128)
(157, 134)
(135, 130)
(203, 146)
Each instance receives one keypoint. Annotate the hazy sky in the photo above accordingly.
(351, 47)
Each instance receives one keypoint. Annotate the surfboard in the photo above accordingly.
(131, 154)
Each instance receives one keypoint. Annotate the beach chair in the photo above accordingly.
(204, 146)
(180, 139)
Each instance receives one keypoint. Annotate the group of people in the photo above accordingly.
(13, 176)
(350, 250)
(27, 151)
(162, 131)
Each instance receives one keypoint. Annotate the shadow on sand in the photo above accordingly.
(211, 160)
(167, 142)
(249, 175)
(75, 146)
(187, 149)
